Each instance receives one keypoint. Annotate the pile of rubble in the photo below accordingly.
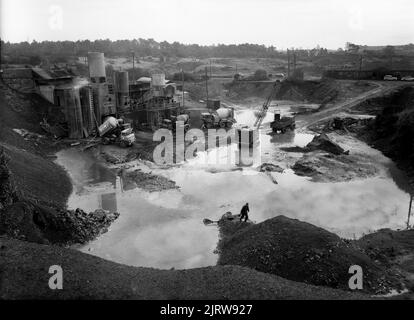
(324, 143)
(34, 222)
(87, 226)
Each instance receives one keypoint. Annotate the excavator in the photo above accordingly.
(279, 123)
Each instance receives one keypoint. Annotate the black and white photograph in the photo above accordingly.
(223, 152)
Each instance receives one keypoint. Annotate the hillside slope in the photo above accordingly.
(24, 275)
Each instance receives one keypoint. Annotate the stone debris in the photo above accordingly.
(270, 167)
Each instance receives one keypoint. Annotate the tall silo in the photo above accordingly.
(88, 117)
(121, 88)
(96, 62)
(73, 112)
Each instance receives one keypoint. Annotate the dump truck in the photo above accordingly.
(171, 124)
(115, 131)
(282, 123)
(221, 118)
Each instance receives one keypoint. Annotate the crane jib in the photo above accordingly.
(262, 114)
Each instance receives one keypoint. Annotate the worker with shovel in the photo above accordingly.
(243, 212)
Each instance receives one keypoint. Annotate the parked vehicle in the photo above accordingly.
(282, 124)
(279, 77)
(407, 78)
(171, 124)
(390, 77)
(221, 118)
(115, 131)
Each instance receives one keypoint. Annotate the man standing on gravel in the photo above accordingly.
(243, 212)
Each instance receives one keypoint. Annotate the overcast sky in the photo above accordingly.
(282, 23)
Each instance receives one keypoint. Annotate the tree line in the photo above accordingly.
(62, 50)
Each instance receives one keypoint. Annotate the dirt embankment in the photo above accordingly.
(392, 130)
(324, 92)
(24, 275)
(34, 189)
(302, 252)
(321, 92)
(306, 91)
(386, 123)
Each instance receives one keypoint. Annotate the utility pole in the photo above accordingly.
(133, 66)
(409, 211)
(360, 67)
(288, 56)
(294, 61)
(182, 78)
(210, 68)
(206, 88)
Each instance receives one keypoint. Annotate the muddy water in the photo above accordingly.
(165, 229)
(158, 229)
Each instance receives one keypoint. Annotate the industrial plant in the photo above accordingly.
(200, 164)
(85, 103)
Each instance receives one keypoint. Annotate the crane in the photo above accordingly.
(263, 110)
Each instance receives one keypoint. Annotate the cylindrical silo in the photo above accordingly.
(85, 94)
(96, 61)
(121, 81)
(121, 88)
(73, 112)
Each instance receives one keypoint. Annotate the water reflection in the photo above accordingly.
(165, 229)
(157, 229)
(108, 202)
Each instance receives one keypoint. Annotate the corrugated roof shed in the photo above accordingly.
(144, 79)
(41, 73)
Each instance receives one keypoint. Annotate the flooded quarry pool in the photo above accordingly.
(164, 229)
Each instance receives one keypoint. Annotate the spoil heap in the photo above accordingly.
(302, 252)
